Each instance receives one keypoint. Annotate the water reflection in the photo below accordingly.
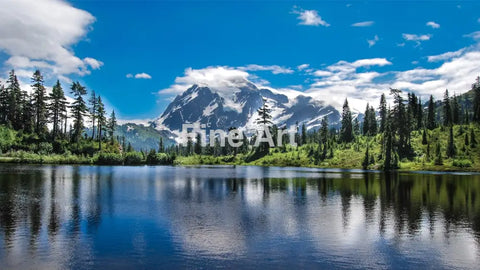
(82, 217)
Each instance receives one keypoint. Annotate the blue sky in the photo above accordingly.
(140, 54)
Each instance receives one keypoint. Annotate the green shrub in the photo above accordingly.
(133, 158)
(462, 163)
(44, 148)
(108, 159)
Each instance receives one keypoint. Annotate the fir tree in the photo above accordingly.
(451, 150)
(3, 105)
(304, 134)
(356, 127)
(112, 124)
(161, 148)
(324, 129)
(476, 101)
(78, 110)
(346, 132)
(438, 155)
(93, 101)
(424, 138)
(447, 110)
(198, 144)
(101, 120)
(14, 110)
(39, 103)
(57, 108)
(383, 112)
(366, 159)
(473, 141)
(431, 123)
(455, 110)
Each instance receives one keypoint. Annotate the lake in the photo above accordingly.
(57, 217)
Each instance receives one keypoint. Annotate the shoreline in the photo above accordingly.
(90, 162)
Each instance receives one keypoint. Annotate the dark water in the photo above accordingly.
(57, 217)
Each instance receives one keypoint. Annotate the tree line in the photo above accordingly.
(32, 113)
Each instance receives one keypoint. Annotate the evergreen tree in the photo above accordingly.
(447, 110)
(476, 101)
(3, 105)
(467, 142)
(401, 125)
(198, 144)
(14, 110)
(473, 141)
(451, 150)
(438, 154)
(356, 127)
(383, 112)
(431, 123)
(388, 163)
(78, 110)
(101, 120)
(27, 113)
(39, 103)
(161, 148)
(346, 132)
(264, 120)
(93, 101)
(112, 124)
(366, 121)
(366, 159)
(455, 110)
(424, 138)
(324, 129)
(57, 108)
(304, 134)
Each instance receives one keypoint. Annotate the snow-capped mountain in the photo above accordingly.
(236, 106)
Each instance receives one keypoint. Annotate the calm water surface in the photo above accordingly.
(57, 217)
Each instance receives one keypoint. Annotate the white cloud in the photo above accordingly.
(222, 79)
(413, 37)
(456, 73)
(309, 17)
(373, 41)
(432, 24)
(475, 35)
(303, 66)
(40, 34)
(273, 68)
(142, 75)
(445, 56)
(363, 24)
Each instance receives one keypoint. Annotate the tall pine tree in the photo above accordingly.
(57, 108)
(431, 122)
(78, 110)
(39, 103)
(346, 132)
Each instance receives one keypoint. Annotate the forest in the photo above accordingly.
(408, 134)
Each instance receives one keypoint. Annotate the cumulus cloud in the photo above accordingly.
(40, 34)
(302, 66)
(343, 79)
(373, 41)
(142, 75)
(273, 68)
(309, 17)
(363, 24)
(432, 24)
(222, 79)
